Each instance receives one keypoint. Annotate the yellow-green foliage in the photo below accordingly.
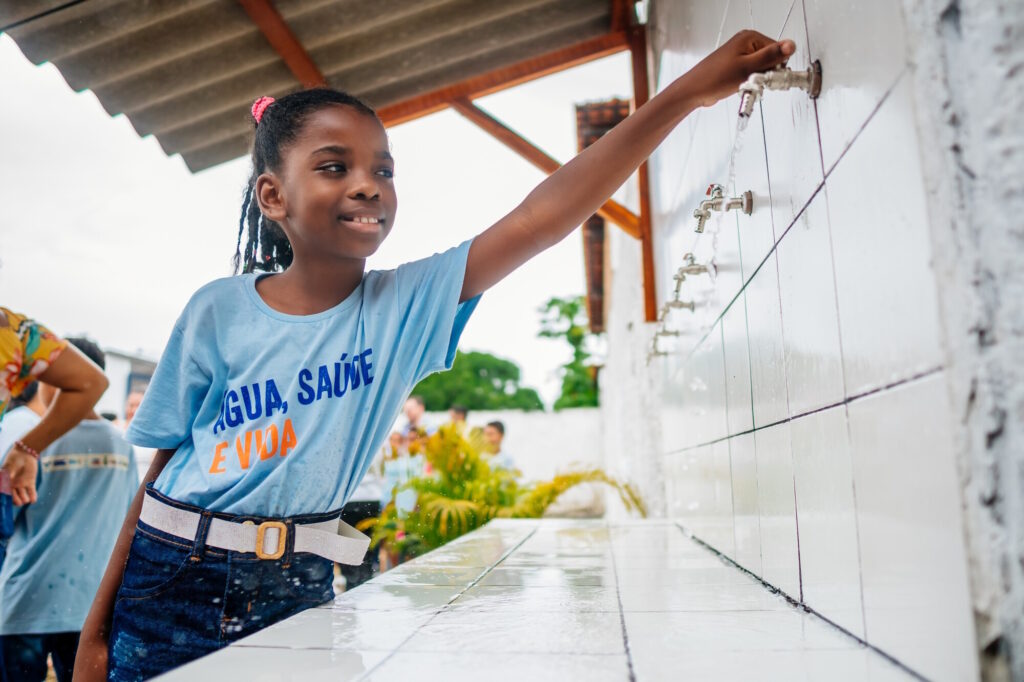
(464, 492)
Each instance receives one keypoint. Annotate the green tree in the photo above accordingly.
(566, 318)
(480, 382)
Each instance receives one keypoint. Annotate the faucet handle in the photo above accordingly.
(715, 190)
(690, 259)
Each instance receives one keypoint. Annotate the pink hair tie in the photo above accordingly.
(259, 106)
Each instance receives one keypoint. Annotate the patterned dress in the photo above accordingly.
(27, 349)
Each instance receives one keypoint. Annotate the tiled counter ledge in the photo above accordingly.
(554, 600)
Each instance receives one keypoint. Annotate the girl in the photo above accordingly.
(275, 389)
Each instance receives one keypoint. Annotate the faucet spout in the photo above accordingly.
(717, 201)
(779, 78)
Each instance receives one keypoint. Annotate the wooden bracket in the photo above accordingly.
(611, 210)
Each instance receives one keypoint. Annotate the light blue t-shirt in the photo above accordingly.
(277, 415)
(62, 542)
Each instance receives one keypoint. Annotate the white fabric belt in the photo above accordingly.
(335, 539)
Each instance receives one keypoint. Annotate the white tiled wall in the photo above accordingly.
(808, 437)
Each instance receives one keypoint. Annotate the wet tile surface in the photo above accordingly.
(561, 600)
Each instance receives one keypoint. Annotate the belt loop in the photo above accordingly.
(289, 544)
(200, 541)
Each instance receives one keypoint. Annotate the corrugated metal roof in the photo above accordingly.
(187, 71)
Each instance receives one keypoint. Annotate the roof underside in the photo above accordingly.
(187, 71)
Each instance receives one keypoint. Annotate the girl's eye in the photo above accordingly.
(333, 168)
(386, 172)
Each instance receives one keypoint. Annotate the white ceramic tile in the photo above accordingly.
(277, 665)
(916, 600)
(811, 665)
(810, 322)
(777, 507)
(561, 598)
(578, 632)
(737, 367)
(772, 18)
(888, 311)
(829, 556)
(411, 575)
(752, 596)
(534, 576)
(638, 576)
(747, 521)
(791, 135)
(690, 487)
(767, 351)
(375, 597)
(675, 409)
(472, 667)
(863, 49)
(757, 232)
(673, 633)
(330, 629)
(720, 532)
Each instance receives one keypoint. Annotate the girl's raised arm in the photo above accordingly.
(576, 190)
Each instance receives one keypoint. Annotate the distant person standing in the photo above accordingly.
(494, 437)
(131, 406)
(415, 426)
(61, 543)
(144, 456)
(457, 414)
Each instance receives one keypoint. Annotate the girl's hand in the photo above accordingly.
(21, 467)
(721, 73)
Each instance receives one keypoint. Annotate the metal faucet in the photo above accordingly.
(691, 267)
(716, 201)
(779, 78)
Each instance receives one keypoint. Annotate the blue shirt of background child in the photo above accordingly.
(62, 542)
(277, 415)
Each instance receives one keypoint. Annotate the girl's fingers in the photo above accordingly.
(771, 55)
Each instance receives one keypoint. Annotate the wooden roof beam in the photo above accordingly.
(611, 210)
(280, 36)
(503, 78)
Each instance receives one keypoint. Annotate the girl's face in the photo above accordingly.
(334, 193)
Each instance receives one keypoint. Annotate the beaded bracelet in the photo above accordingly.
(20, 444)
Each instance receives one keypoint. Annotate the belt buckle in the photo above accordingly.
(261, 531)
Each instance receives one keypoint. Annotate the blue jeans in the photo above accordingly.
(180, 599)
(6, 524)
(25, 656)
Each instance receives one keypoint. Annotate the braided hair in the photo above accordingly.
(277, 123)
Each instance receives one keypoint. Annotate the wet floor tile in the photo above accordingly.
(468, 667)
(651, 597)
(550, 577)
(669, 579)
(329, 629)
(671, 633)
(858, 665)
(507, 632)
(411, 575)
(374, 597)
(275, 665)
(537, 599)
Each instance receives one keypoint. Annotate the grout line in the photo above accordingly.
(924, 374)
(445, 608)
(622, 612)
(799, 604)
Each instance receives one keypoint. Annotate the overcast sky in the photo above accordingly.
(101, 233)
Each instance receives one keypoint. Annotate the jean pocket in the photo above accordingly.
(6, 516)
(154, 566)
